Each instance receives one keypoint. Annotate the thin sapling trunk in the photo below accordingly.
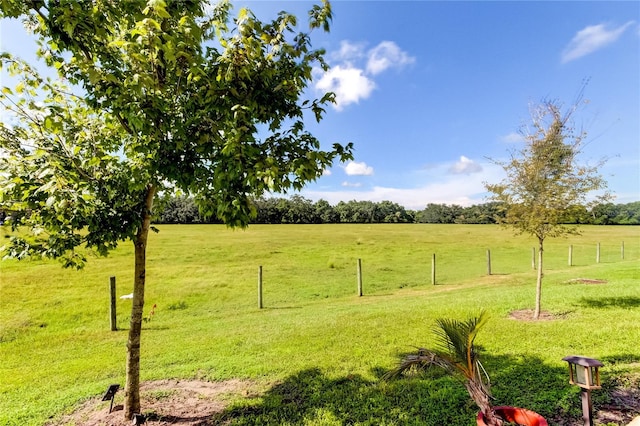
(536, 313)
(132, 388)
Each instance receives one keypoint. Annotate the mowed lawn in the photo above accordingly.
(316, 348)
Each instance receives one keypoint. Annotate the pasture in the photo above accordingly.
(316, 349)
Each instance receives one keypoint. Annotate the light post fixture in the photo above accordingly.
(110, 394)
(584, 372)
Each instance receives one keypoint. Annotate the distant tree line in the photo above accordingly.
(298, 209)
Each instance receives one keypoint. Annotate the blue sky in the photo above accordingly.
(429, 91)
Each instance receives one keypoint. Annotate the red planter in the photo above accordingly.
(521, 416)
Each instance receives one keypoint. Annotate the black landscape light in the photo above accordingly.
(138, 419)
(584, 372)
(110, 394)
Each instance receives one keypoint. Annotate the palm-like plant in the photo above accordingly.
(457, 354)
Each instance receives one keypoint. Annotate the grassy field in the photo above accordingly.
(317, 348)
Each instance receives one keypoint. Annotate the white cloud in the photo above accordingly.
(465, 166)
(437, 187)
(590, 39)
(358, 169)
(352, 184)
(352, 78)
(326, 172)
(385, 55)
(348, 52)
(348, 83)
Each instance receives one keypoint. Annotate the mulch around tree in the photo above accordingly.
(587, 281)
(527, 315)
(164, 402)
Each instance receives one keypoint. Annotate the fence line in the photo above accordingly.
(359, 277)
(112, 305)
(574, 251)
(260, 287)
(599, 252)
(433, 269)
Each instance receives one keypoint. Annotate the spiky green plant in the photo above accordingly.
(457, 354)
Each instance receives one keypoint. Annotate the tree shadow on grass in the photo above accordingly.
(627, 358)
(526, 381)
(611, 302)
(434, 398)
(311, 397)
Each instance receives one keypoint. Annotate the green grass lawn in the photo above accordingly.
(317, 348)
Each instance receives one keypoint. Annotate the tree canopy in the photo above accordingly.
(152, 97)
(545, 184)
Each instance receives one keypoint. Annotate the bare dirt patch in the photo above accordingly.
(587, 281)
(195, 403)
(623, 408)
(527, 315)
(618, 413)
(164, 402)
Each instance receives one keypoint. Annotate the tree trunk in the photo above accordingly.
(482, 400)
(132, 388)
(536, 312)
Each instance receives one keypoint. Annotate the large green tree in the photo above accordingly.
(545, 183)
(162, 96)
